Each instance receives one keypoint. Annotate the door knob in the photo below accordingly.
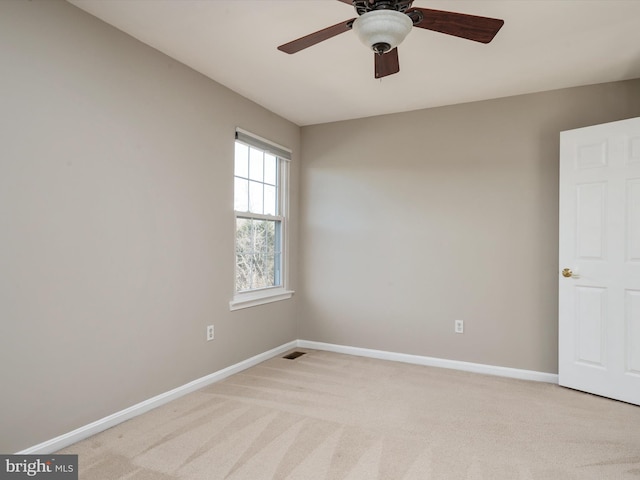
(566, 272)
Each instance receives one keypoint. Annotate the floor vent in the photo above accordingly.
(293, 355)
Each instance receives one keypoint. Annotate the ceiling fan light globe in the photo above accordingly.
(382, 27)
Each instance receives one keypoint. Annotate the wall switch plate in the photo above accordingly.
(459, 326)
(210, 333)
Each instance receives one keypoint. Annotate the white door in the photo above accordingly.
(599, 285)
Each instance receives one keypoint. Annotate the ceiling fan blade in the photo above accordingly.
(471, 27)
(387, 63)
(346, 1)
(316, 37)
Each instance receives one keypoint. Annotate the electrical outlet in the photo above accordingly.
(210, 334)
(459, 326)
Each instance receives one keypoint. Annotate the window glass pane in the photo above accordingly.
(257, 258)
(256, 197)
(256, 162)
(264, 262)
(241, 195)
(269, 271)
(270, 200)
(244, 252)
(242, 160)
(270, 169)
(277, 276)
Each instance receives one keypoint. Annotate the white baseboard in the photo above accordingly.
(62, 441)
(433, 362)
(98, 426)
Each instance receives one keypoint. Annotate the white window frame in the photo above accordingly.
(252, 298)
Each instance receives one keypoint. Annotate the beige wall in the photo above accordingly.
(116, 223)
(413, 220)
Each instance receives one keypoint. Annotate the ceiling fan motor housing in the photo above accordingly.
(364, 6)
(382, 30)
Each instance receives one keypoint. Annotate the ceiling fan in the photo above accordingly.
(383, 24)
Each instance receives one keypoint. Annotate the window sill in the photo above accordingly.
(253, 299)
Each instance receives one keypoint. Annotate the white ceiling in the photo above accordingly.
(544, 45)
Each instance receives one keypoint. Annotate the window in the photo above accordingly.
(260, 204)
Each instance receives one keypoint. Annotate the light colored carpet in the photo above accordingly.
(340, 417)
